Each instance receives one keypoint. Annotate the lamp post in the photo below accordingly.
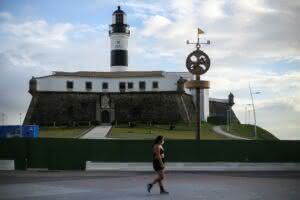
(20, 124)
(246, 113)
(228, 119)
(245, 121)
(254, 115)
(3, 118)
(249, 116)
(197, 63)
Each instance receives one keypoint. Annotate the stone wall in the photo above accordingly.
(155, 107)
(66, 108)
(220, 109)
(62, 108)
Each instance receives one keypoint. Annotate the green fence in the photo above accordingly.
(54, 153)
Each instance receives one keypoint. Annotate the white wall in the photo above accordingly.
(204, 103)
(58, 83)
(166, 83)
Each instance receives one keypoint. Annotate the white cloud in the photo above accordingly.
(36, 48)
(256, 6)
(213, 9)
(155, 25)
(245, 35)
(5, 16)
(38, 32)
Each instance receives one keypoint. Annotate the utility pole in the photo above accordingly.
(254, 114)
(20, 124)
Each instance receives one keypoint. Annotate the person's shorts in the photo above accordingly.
(156, 164)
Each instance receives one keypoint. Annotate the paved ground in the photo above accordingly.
(99, 132)
(79, 185)
(195, 166)
(219, 130)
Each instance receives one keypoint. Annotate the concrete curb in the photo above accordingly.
(108, 135)
(147, 166)
(85, 132)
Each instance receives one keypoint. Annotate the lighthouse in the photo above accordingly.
(119, 34)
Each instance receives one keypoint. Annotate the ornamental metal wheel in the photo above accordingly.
(198, 62)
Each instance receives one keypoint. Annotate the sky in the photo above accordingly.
(252, 42)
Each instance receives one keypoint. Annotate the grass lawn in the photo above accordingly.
(247, 131)
(61, 132)
(181, 131)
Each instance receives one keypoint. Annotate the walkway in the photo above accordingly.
(98, 185)
(194, 166)
(99, 132)
(219, 130)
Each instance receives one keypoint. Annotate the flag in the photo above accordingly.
(200, 31)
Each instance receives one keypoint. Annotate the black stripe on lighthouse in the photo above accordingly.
(119, 58)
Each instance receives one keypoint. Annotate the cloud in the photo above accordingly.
(249, 42)
(155, 24)
(36, 48)
(213, 9)
(5, 16)
(38, 32)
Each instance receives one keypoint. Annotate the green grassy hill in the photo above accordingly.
(247, 131)
(61, 131)
(180, 131)
(145, 131)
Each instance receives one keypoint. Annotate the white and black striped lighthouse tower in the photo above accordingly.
(119, 34)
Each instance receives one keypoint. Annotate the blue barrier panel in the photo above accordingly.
(10, 131)
(30, 130)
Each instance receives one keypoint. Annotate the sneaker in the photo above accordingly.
(149, 186)
(164, 192)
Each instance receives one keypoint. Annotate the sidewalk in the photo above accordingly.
(211, 166)
(98, 132)
(219, 130)
(180, 167)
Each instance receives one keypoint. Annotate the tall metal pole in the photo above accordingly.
(3, 115)
(245, 115)
(249, 117)
(21, 124)
(198, 122)
(254, 116)
(227, 120)
(230, 117)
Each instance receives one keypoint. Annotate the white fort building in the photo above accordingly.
(118, 95)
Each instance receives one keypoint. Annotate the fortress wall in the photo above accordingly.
(220, 109)
(65, 107)
(146, 107)
(62, 108)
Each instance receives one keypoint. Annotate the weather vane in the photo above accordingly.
(197, 63)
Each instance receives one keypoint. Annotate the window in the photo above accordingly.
(154, 84)
(88, 85)
(69, 84)
(104, 85)
(130, 85)
(142, 85)
(119, 19)
(122, 85)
